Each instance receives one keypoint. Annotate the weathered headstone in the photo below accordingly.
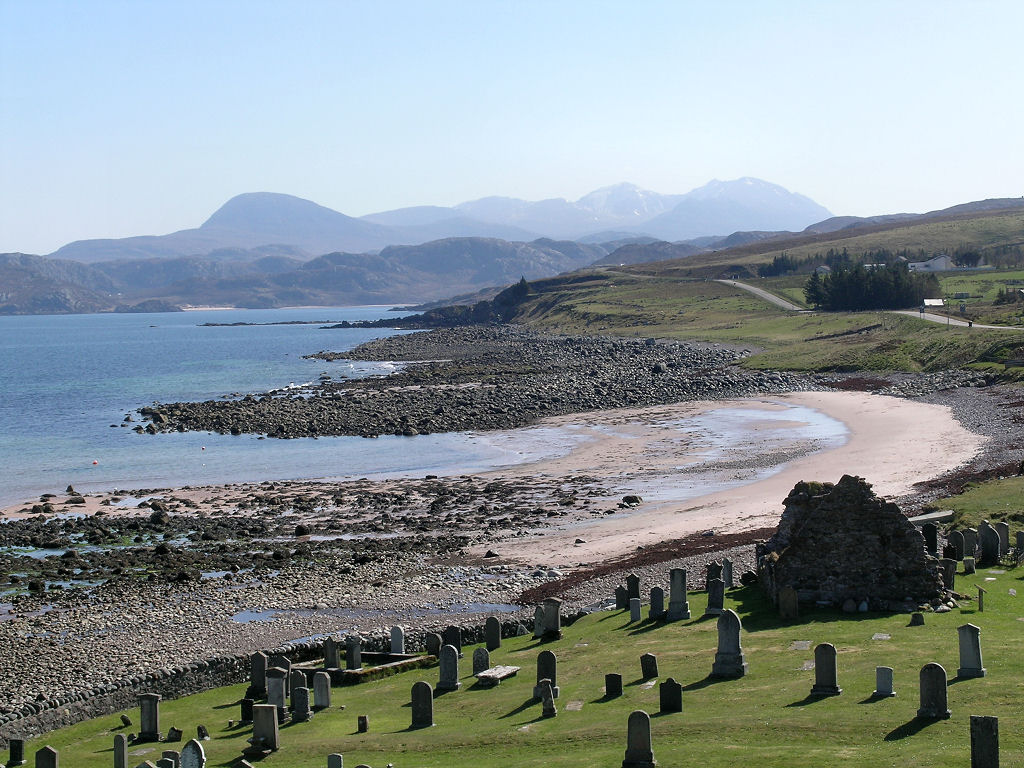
(648, 666)
(149, 704)
(202, 733)
(547, 699)
(883, 683)
(633, 586)
(422, 705)
(193, 755)
(947, 566)
(716, 597)
(1003, 529)
(970, 541)
(452, 636)
(712, 572)
(956, 541)
(297, 679)
(281, 661)
(353, 652)
(552, 619)
(634, 609)
(729, 659)
(47, 757)
(335, 760)
(917, 619)
(258, 675)
(332, 654)
(727, 573)
(17, 752)
(264, 727)
(276, 686)
(826, 682)
(321, 690)
(670, 696)
(481, 660)
(165, 762)
(930, 531)
(362, 724)
(678, 605)
(984, 742)
(170, 758)
(789, 604)
(988, 543)
(970, 652)
(638, 741)
(449, 673)
(1020, 542)
(969, 566)
(397, 640)
(934, 703)
(657, 609)
(547, 669)
(120, 751)
(432, 642)
(174, 734)
(492, 633)
(245, 710)
(612, 685)
(538, 622)
(621, 598)
(301, 709)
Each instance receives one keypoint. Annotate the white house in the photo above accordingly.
(940, 263)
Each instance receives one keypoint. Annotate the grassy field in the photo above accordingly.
(994, 500)
(765, 718)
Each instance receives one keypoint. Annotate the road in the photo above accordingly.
(776, 300)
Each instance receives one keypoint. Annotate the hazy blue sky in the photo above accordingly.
(136, 117)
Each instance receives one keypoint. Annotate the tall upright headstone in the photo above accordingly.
(612, 685)
(956, 541)
(449, 674)
(970, 652)
(635, 613)
(713, 571)
(301, 709)
(422, 705)
(639, 753)
(538, 622)
(452, 636)
(277, 684)
(883, 683)
(970, 542)
(1003, 530)
(729, 659)
(265, 733)
(193, 755)
(47, 757)
(633, 586)
(988, 544)
(648, 666)
(621, 598)
(397, 640)
(332, 654)
(670, 696)
(149, 724)
(934, 701)
(297, 679)
(547, 669)
(353, 652)
(1020, 542)
(678, 605)
(826, 681)
(984, 742)
(947, 567)
(481, 660)
(716, 597)
(657, 608)
(432, 642)
(930, 531)
(321, 690)
(17, 750)
(727, 573)
(120, 751)
(258, 674)
(552, 618)
(492, 633)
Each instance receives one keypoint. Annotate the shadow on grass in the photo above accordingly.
(706, 682)
(810, 698)
(909, 728)
(236, 703)
(605, 699)
(521, 708)
(646, 626)
(665, 714)
(873, 699)
(615, 614)
(759, 614)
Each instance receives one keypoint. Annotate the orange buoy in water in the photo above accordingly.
(95, 462)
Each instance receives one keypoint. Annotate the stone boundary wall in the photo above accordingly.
(45, 716)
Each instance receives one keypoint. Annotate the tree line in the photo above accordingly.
(857, 287)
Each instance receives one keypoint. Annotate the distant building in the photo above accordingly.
(940, 263)
(824, 269)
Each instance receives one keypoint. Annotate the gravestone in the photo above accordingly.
(362, 724)
(353, 652)
(202, 733)
(657, 609)
(648, 666)
(552, 619)
(826, 682)
(988, 543)
(984, 742)
(276, 686)
(538, 622)
(789, 604)
(678, 605)
(335, 761)
(192, 755)
(422, 705)
(321, 690)
(492, 633)
(956, 541)
(633, 586)
(970, 541)
(265, 734)
(547, 699)
(301, 710)
(245, 711)
(47, 757)
(433, 642)
(947, 566)
(729, 659)
(452, 636)
(281, 661)
(612, 685)
(634, 609)
(149, 704)
(930, 531)
(547, 669)
(1020, 542)
(258, 675)
(449, 673)
(716, 597)
(1003, 529)
(481, 660)
(934, 704)
(120, 751)
(621, 598)
(174, 734)
(170, 758)
(714, 571)
(883, 683)
(917, 619)
(638, 741)
(970, 652)
(332, 654)
(297, 679)
(397, 640)
(670, 696)
(17, 750)
(727, 573)
(969, 566)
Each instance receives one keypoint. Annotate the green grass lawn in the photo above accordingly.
(994, 500)
(766, 718)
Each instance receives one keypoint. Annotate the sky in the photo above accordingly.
(142, 117)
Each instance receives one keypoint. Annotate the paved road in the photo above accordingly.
(953, 321)
(777, 301)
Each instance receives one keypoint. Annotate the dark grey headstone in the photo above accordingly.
(639, 753)
(633, 586)
(547, 669)
(492, 633)
(670, 696)
(422, 705)
(612, 685)
(984, 742)
(934, 702)
(729, 658)
(678, 605)
(648, 666)
(826, 682)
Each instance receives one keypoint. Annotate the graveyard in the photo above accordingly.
(811, 690)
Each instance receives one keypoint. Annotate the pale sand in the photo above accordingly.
(893, 443)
